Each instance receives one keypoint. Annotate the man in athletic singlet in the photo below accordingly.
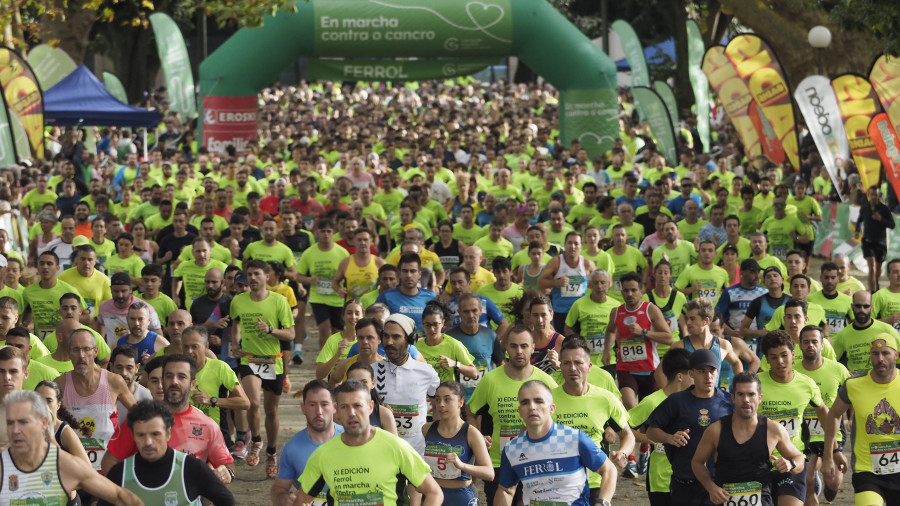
(735, 300)
(359, 271)
(638, 328)
(32, 467)
(91, 394)
(763, 307)
(160, 474)
(743, 443)
(567, 276)
(698, 316)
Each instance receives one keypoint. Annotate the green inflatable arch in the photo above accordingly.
(348, 37)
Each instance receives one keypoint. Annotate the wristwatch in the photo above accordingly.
(793, 465)
(604, 502)
(213, 401)
(271, 329)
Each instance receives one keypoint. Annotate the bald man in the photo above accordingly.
(59, 359)
(846, 283)
(212, 308)
(479, 276)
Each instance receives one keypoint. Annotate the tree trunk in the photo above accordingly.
(72, 30)
(677, 16)
(785, 25)
(130, 51)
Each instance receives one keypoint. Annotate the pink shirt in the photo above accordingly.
(194, 433)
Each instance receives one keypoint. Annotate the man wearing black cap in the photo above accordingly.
(735, 300)
(113, 313)
(763, 307)
(680, 420)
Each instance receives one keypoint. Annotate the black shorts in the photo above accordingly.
(688, 493)
(643, 385)
(295, 288)
(888, 487)
(324, 312)
(276, 386)
(874, 250)
(818, 448)
(793, 485)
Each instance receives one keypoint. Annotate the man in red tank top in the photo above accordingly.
(639, 327)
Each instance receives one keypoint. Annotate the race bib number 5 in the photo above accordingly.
(264, 367)
(744, 494)
(436, 457)
(885, 457)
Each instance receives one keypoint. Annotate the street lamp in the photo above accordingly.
(819, 37)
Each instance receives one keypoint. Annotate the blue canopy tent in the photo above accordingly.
(81, 100)
(659, 54)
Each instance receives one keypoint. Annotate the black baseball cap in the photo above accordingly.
(704, 358)
(120, 278)
(750, 265)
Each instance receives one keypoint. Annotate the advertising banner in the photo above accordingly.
(394, 70)
(590, 117)
(634, 53)
(176, 65)
(885, 78)
(819, 108)
(734, 95)
(7, 145)
(858, 104)
(758, 66)
(665, 92)
(50, 65)
(699, 83)
(229, 121)
(374, 28)
(23, 97)
(885, 138)
(658, 117)
(113, 85)
(772, 148)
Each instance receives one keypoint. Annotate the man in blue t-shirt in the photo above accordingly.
(461, 283)
(408, 299)
(735, 300)
(480, 340)
(679, 423)
(551, 460)
(318, 407)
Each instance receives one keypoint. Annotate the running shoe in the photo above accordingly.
(643, 464)
(818, 484)
(830, 494)
(297, 358)
(271, 466)
(253, 454)
(240, 450)
(631, 470)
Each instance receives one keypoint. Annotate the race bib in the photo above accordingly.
(617, 284)
(324, 287)
(724, 382)
(835, 325)
(633, 350)
(789, 420)
(673, 323)
(748, 493)
(885, 457)
(574, 288)
(813, 423)
(595, 344)
(367, 499)
(436, 457)
(753, 344)
(780, 252)
(711, 294)
(507, 432)
(659, 448)
(263, 366)
(405, 416)
(95, 449)
(481, 368)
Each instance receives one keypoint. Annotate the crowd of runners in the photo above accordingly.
(498, 315)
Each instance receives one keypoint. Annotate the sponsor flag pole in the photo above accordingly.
(819, 108)
(735, 97)
(858, 104)
(885, 138)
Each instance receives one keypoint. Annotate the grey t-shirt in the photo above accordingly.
(140, 394)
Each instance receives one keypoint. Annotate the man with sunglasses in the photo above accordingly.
(853, 344)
